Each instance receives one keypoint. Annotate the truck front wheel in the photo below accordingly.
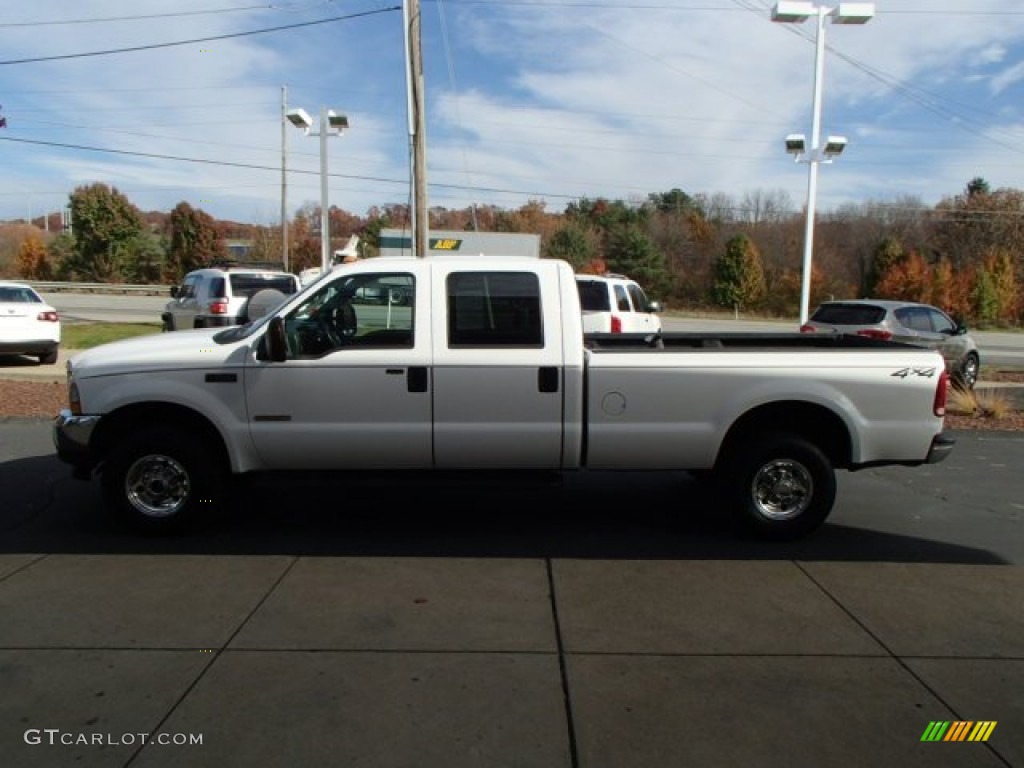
(161, 481)
(779, 486)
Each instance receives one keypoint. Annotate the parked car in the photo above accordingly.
(615, 304)
(28, 325)
(210, 298)
(908, 322)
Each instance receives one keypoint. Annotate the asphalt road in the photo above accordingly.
(968, 509)
(1004, 349)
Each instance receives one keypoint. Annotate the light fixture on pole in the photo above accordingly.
(795, 13)
(331, 124)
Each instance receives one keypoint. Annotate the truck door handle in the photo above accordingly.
(416, 379)
(547, 379)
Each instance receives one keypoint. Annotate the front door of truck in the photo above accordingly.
(498, 388)
(353, 392)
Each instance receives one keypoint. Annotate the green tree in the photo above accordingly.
(738, 276)
(572, 244)
(103, 221)
(632, 253)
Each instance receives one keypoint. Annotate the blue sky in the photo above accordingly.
(548, 101)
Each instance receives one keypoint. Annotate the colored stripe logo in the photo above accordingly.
(958, 730)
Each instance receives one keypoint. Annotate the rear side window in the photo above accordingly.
(247, 285)
(19, 295)
(593, 295)
(622, 299)
(848, 314)
(494, 309)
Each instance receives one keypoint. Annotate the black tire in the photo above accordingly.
(48, 358)
(778, 485)
(162, 480)
(966, 376)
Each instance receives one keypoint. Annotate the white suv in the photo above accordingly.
(209, 298)
(615, 304)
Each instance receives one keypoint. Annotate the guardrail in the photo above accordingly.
(124, 288)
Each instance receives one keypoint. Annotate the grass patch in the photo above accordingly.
(86, 335)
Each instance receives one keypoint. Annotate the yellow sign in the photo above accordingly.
(444, 244)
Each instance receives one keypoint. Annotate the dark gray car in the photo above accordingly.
(904, 321)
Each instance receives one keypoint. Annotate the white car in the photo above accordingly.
(28, 325)
(615, 304)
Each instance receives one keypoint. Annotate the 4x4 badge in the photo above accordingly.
(926, 373)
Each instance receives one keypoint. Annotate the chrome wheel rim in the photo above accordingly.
(157, 486)
(970, 372)
(782, 489)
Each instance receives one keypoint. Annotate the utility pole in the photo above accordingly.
(284, 176)
(417, 126)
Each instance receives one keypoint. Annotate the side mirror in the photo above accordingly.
(654, 306)
(174, 291)
(273, 345)
(961, 329)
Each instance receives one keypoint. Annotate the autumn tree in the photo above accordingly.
(32, 260)
(194, 241)
(738, 276)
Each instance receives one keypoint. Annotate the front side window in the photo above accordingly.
(494, 309)
(941, 322)
(636, 293)
(337, 316)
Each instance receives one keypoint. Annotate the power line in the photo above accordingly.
(153, 46)
(101, 20)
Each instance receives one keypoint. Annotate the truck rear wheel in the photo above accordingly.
(779, 486)
(162, 480)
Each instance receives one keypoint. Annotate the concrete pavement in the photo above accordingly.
(284, 661)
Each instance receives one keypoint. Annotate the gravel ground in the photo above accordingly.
(46, 398)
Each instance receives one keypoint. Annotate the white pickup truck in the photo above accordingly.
(481, 363)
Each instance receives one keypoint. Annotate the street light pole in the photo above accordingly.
(798, 12)
(325, 214)
(331, 124)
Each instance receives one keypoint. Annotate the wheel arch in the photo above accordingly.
(816, 423)
(131, 418)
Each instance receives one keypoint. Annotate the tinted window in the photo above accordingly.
(848, 314)
(636, 293)
(217, 288)
(940, 322)
(593, 295)
(247, 285)
(622, 299)
(915, 318)
(19, 295)
(494, 309)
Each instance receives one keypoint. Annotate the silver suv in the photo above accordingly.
(909, 322)
(615, 304)
(210, 298)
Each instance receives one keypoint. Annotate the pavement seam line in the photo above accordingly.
(562, 667)
(191, 686)
(898, 659)
(23, 567)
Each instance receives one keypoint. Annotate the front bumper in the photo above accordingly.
(72, 438)
(942, 445)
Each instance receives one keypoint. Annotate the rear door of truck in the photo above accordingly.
(498, 366)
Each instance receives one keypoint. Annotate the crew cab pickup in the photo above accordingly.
(481, 363)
